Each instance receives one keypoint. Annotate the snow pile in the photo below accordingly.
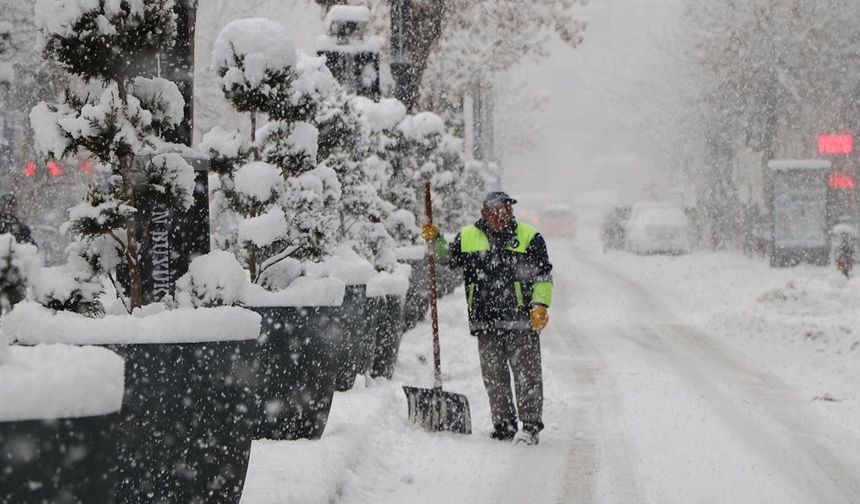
(258, 182)
(347, 13)
(247, 50)
(31, 323)
(161, 97)
(213, 279)
(411, 253)
(265, 229)
(421, 125)
(314, 82)
(345, 265)
(383, 116)
(223, 143)
(303, 291)
(280, 274)
(369, 44)
(387, 283)
(59, 381)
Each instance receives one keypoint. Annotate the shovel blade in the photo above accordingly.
(436, 410)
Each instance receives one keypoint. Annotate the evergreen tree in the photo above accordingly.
(115, 115)
(262, 74)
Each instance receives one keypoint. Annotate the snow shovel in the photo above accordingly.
(434, 409)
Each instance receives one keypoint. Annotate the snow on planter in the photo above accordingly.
(48, 382)
(411, 252)
(346, 265)
(387, 283)
(213, 279)
(31, 323)
(304, 291)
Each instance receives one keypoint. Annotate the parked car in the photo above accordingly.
(612, 229)
(658, 228)
(557, 220)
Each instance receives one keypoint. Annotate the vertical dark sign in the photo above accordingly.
(175, 239)
(178, 66)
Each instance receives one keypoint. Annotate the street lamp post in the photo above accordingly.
(351, 55)
(402, 40)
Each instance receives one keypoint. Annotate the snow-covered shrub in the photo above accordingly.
(261, 71)
(19, 268)
(345, 144)
(432, 153)
(115, 117)
(104, 40)
(76, 286)
(291, 146)
(281, 206)
(227, 150)
(214, 279)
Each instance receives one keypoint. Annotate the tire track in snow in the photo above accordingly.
(596, 445)
(752, 402)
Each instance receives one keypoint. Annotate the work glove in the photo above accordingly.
(429, 231)
(539, 317)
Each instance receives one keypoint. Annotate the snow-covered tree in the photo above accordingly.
(115, 115)
(432, 153)
(281, 204)
(344, 146)
(76, 286)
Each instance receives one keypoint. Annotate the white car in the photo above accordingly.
(658, 228)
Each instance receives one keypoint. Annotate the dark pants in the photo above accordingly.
(513, 352)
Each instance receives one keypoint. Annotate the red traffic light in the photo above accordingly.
(835, 144)
(840, 180)
(54, 169)
(30, 169)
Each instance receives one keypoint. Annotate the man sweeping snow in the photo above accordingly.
(508, 281)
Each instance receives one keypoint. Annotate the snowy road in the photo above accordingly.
(647, 400)
(700, 420)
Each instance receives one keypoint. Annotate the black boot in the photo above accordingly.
(504, 431)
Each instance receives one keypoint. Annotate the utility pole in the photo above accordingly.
(177, 65)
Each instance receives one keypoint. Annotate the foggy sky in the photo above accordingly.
(601, 94)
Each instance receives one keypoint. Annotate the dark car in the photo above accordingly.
(612, 229)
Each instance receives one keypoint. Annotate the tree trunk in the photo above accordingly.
(252, 263)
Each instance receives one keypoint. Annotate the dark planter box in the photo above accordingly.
(447, 279)
(388, 328)
(418, 295)
(70, 460)
(297, 370)
(351, 345)
(187, 421)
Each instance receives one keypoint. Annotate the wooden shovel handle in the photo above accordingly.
(434, 314)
